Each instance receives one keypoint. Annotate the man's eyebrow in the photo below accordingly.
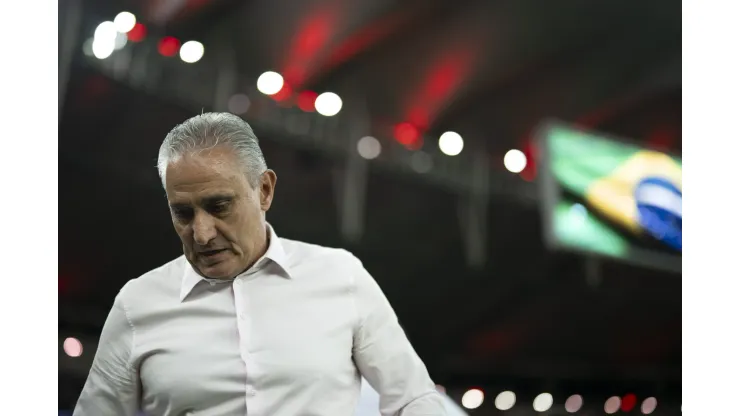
(179, 205)
(214, 199)
(208, 200)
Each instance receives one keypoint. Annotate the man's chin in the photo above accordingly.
(220, 270)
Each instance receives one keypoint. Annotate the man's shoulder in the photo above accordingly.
(307, 255)
(164, 280)
(302, 252)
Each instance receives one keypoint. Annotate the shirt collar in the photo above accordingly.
(275, 253)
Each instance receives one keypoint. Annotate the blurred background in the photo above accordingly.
(410, 133)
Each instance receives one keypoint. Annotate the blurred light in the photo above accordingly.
(406, 134)
(239, 104)
(191, 51)
(368, 147)
(168, 46)
(578, 214)
(87, 47)
(472, 399)
(103, 48)
(450, 143)
(649, 405)
(284, 94)
(628, 402)
(119, 42)
(306, 100)
(124, 22)
(270, 83)
(137, 34)
(574, 403)
(542, 402)
(104, 40)
(612, 405)
(505, 400)
(72, 347)
(515, 161)
(328, 104)
(529, 173)
(106, 30)
(421, 162)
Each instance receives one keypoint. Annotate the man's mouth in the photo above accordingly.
(211, 253)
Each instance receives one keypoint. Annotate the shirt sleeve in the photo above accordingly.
(112, 386)
(386, 358)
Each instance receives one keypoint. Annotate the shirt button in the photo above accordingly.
(251, 391)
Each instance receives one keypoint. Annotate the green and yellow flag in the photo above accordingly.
(636, 189)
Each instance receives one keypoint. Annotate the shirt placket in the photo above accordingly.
(244, 328)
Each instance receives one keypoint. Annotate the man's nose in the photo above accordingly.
(204, 229)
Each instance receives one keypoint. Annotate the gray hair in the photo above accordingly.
(208, 130)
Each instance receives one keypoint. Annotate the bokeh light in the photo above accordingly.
(72, 347)
(270, 83)
(505, 400)
(515, 161)
(472, 399)
(328, 104)
(451, 143)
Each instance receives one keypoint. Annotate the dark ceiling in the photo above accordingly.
(490, 70)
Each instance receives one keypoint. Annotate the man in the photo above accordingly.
(247, 322)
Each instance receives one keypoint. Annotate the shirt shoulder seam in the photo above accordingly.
(125, 309)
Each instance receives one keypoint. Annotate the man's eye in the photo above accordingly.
(182, 214)
(219, 208)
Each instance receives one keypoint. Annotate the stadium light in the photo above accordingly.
(270, 83)
(328, 104)
(451, 143)
(191, 51)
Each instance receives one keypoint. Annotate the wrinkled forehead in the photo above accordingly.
(204, 173)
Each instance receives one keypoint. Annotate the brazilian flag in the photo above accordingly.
(615, 196)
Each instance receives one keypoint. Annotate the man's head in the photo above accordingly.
(218, 189)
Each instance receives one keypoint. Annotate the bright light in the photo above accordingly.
(239, 104)
(612, 405)
(270, 83)
(649, 405)
(104, 40)
(472, 399)
(191, 51)
(515, 161)
(450, 143)
(106, 30)
(542, 402)
(574, 403)
(72, 347)
(328, 104)
(368, 147)
(505, 400)
(103, 48)
(124, 22)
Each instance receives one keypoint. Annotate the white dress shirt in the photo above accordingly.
(285, 338)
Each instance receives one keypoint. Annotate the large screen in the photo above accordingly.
(608, 197)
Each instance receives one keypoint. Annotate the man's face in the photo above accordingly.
(218, 215)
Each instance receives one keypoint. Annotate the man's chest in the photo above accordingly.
(220, 345)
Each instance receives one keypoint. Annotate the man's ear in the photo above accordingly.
(267, 189)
